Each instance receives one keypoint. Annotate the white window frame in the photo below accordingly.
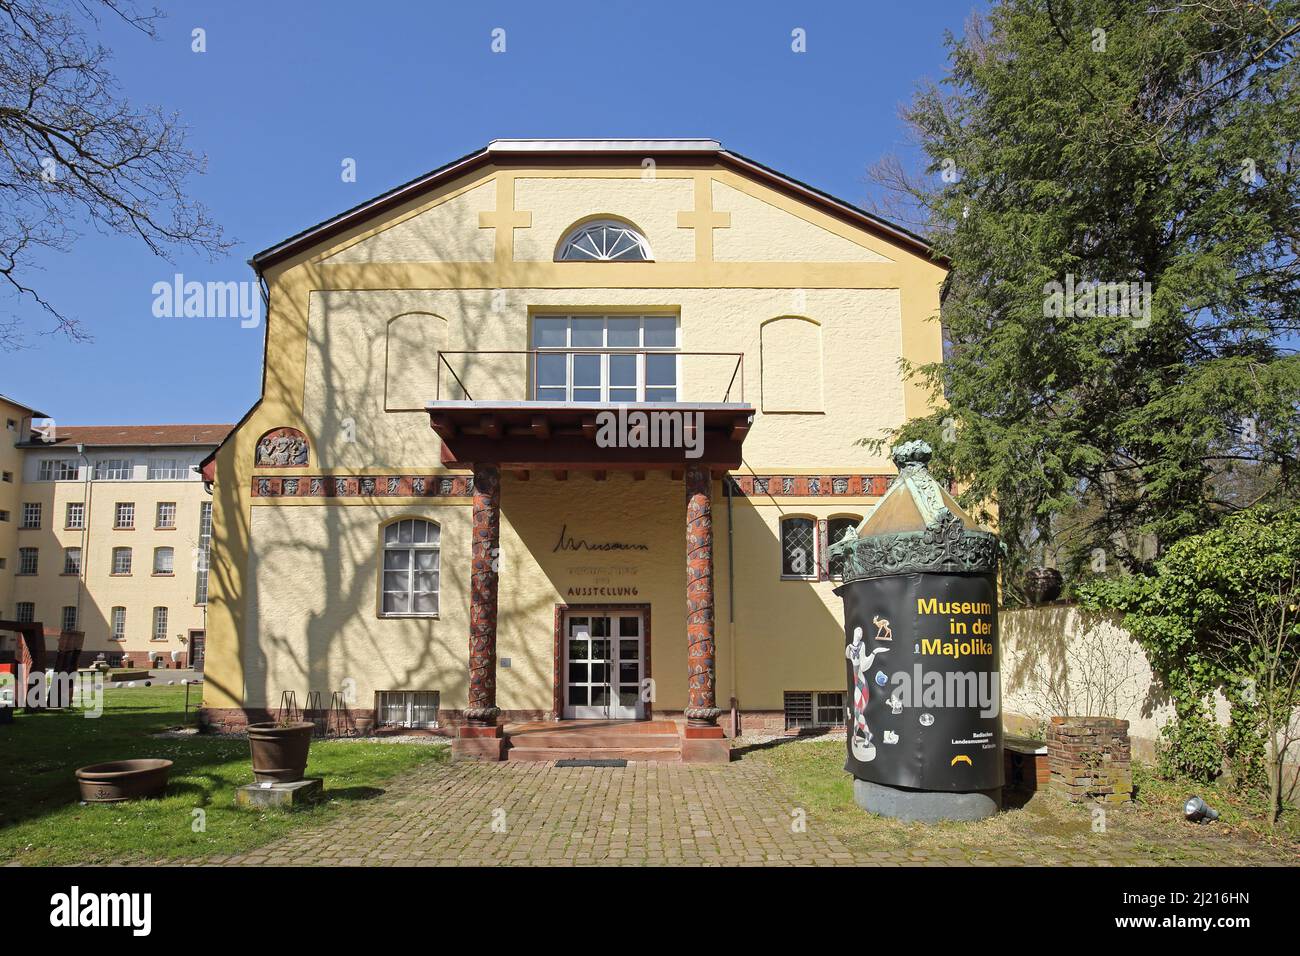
(117, 623)
(130, 559)
(63, 618)
(814, 566)
(80, 511)
(58, 469)
(114, 469)
(159, 624)
(124, 509)
(201, 554)
(25, 612)
(31, 515)
(392, 703)
(166, 469)
(68, 565)
(158, 515)
(410, 549)
(171, 560)
(597, 248)
(23, 555)
(605, 352)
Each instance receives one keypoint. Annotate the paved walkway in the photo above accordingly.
(476, 814)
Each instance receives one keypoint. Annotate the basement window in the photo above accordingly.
(814, 710)
(407, 708)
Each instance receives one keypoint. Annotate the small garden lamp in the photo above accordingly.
(1197, 810)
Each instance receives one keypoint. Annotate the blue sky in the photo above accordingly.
(287, 90)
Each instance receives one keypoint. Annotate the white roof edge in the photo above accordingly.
(602, 145)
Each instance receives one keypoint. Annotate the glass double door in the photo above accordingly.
(604, 666)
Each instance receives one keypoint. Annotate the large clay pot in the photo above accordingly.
(280, 750)
(123, 780)
(1043, 585)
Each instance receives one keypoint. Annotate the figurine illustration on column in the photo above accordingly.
(860, 739)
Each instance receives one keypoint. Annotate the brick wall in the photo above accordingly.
(1090, 758)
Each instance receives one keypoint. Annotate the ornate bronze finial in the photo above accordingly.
(912, 454)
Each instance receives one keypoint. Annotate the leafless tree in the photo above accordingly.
(75, 153)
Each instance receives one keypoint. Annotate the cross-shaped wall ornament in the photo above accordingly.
(703, 219)
(505, 219)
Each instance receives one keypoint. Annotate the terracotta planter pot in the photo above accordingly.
(1043, 585)
(123, 780)
(279, 751)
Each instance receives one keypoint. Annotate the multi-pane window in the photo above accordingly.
(166, 514)
(408, 708)
(69, 619)
(814, 709)
(201, 554)
(163, 560)
(121, 560)
(166, 469)
(25, 612)
(31, 515)
(76, 515)
(798, 548)
(160, 624)
(4, 516)
(117, 621)
(57, 469)
(71, 560)
(27, 560)
(7, 476)
(410, 574)
(835, 529)
(599, 358)
(114, 469)
(124, 514)
(605, 240)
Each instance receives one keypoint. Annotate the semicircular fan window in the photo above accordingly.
(605, 241)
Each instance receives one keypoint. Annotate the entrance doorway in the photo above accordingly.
(604, 665)
(197, 641)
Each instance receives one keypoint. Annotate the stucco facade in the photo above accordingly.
(369, 315)
(107, 518)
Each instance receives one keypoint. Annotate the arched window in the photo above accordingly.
(164, 561)
(604, 240)
(799, 548)
(410, 570)
(835, 529)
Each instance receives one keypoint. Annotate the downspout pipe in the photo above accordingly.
(727, 486)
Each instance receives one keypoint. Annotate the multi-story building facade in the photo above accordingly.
(424, 511)
(107, 535)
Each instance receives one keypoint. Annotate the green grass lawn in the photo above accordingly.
(813, 772)
(42, 822)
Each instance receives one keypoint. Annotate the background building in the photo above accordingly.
(104, 530)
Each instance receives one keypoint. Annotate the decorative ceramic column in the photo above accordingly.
(704, 739)
(480, 735)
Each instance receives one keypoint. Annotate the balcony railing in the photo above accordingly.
(590, 376)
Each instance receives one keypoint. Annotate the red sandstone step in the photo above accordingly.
(584, 740)
(669, 754)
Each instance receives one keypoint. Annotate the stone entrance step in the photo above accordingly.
(594, 739)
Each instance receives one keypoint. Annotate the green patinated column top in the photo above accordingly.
(916, 527)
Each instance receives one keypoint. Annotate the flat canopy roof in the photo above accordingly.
(636, 436)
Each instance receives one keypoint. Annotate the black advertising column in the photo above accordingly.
(921, 649)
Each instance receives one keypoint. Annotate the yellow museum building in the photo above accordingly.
(560, 432)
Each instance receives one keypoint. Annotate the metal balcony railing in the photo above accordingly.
(590, 376)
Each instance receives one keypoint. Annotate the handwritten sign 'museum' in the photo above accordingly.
(921, 649)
